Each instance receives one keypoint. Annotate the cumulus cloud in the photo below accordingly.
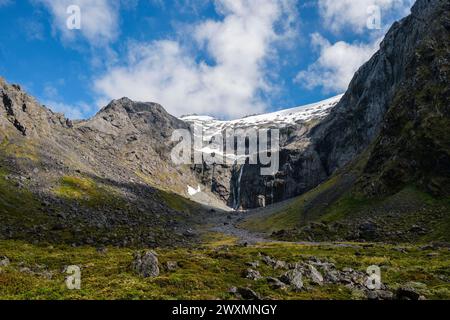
(229, 83)
(341, 14)
(336, 65)
(99, 19)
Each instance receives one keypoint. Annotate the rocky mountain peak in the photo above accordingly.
(125, 116)
(19, 111)
(131, 108)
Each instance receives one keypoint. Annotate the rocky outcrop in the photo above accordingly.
(294, 278)
(300, 171)
(21, 113)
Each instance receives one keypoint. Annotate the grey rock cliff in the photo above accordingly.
(357, 119)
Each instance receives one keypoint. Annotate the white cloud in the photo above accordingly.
(52, 99)
(99, 19)
(336, 64)
(75, 112)
(341, 14)
(239, 46)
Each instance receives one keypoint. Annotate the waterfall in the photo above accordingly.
(213, 181)
(237, 196)
(272, 191)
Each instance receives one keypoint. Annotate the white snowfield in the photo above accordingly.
(280, 119)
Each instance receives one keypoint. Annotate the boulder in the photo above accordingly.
(385, 295)
(146, 264)
(276, 264)
(171, 266)
(407, 293)
(254, 264)
(247, 294)
(294, 279)
(252, 274)
(316, 276)
(4, 261)
(379, 295)
(275, 283)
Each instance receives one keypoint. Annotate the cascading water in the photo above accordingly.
(272, 190)
(237, 188)
(213, 180)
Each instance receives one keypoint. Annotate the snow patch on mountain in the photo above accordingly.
(193, 192)
(279, 119)
(212, 127)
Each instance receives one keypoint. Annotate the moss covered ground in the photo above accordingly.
(210, 270)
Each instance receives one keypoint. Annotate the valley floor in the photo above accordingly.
(221, 268)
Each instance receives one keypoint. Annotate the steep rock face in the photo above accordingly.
(356, 121)
(300, 168)
(300, 171)
(414, 143)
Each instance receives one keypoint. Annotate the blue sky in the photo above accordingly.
(226, 58)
